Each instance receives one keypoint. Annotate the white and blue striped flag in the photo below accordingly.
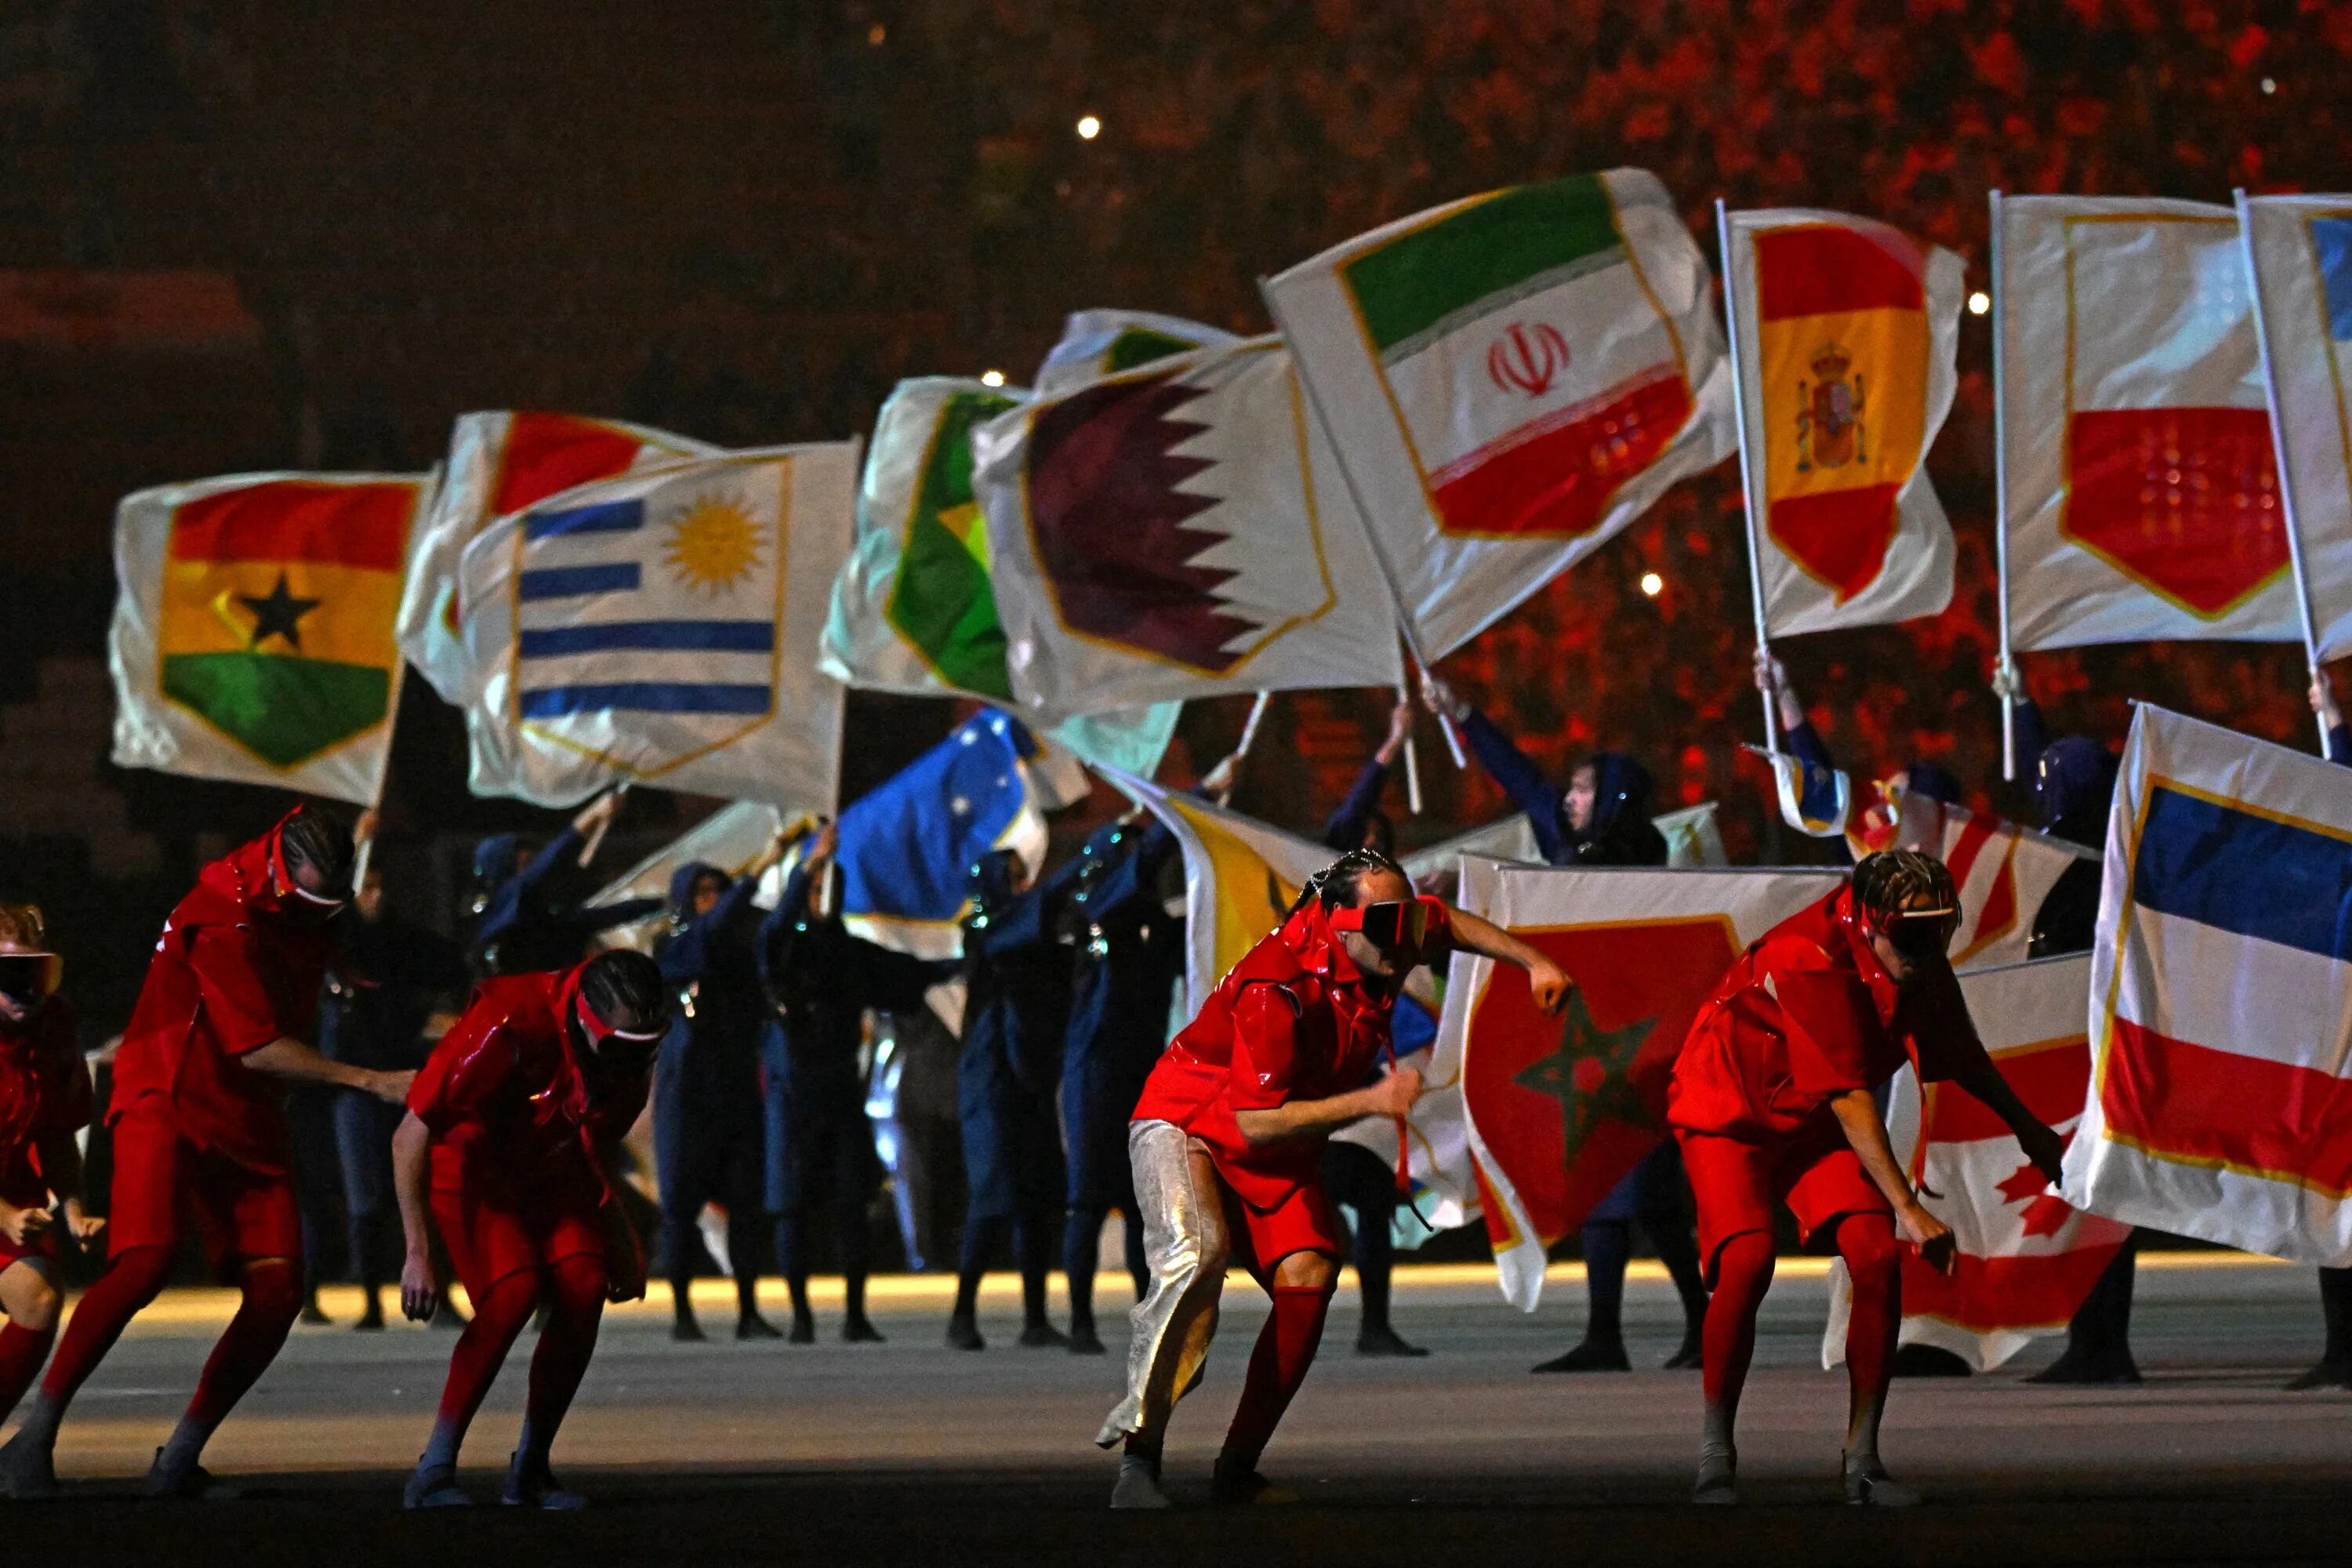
(662, 628)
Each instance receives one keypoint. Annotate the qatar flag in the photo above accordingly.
(2026, 1258)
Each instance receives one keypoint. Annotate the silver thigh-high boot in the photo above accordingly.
(1184, 1241)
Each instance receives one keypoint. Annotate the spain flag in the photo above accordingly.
(253, 636)
(1848, 331)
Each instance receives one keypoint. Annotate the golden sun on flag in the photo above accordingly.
(713, 545)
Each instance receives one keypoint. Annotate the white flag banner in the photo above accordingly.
(662, 628)
(2303, 257)
(2026, 1259)
(729, 838)
(253, 632)
(1511, 380)
(502, 462)
(1850, 334)
(1179, 530)
(1692, 834)
(1097, 343)
(2143, 493)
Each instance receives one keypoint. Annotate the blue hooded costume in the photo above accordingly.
(533, 919)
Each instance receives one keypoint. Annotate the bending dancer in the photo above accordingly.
(1771, 1099)
(708, 1132)
(44, 1101)
(499, 1147)
(199, 1128)
(1603, 818)
(1130, 952)
(1227, 1140)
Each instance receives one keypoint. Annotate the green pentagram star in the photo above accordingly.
(1613, 1098)
(278, 615)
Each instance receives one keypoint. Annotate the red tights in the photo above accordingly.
(574, 1290)
(272, 1296)
(1743, 1268)
(1285, 1349)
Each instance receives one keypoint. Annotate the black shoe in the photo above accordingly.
(860, 1330)
(532, 1485)
(752, 1326)
(1929, 1361)
(1236, 1485)
(2326, 1374)
(2089, 1367)
(1084, 1341)
(1606, 1355)
(1691, 1356)
(963, 1334)
(191, 1483)
(435, 1487)
(1718, 1478)
(1868, 1485)
(1042, 1335)
(1384, 1340)
(803, 1330)
(28, 1471)
(687, 1332)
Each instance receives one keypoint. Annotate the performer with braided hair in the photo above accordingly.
(1771, 1101)
(1226, 1145)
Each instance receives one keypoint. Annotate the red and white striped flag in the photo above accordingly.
(2026, 1259)
(2003, 872)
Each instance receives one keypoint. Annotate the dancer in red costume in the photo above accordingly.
(44, 1101)
(1772, 1102)
(1227, 1143)
(499, 1146)
(230, 998)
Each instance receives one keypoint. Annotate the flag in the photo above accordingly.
(1097, 343)
(1560, 1109)
(2143, 497)
(2303, 259)
(2026, 1259)
(253, 627)
(1692, 836)
(1179, 530)
(1850, 333)
(662, 627)
(1511, 380)
(912, 610)
(2003, 872)
(2221, 1003)
(908, 847)
(1815, 800)
(498, 463)
(729, 838)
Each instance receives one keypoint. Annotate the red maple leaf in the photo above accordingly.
(2046, 1214)
(2021, 1183)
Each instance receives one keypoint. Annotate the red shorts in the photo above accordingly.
(159, 1177)
(1261, 1238)
(1736, 1183)
(491, 1235)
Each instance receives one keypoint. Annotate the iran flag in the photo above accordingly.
(1560, 1109)
(2026, 1258)
(2143, 496)
(1510, 380)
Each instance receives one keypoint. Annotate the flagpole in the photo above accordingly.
(1747, 471)
(1412, 760)
(2000, 508)
(2285, 477)
(1249, 726)
(1380, 552)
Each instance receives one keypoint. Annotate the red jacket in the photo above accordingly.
(44, 1094)
(511, 1106)
(1808, 1014)
(232, 971)
(1294, 1020)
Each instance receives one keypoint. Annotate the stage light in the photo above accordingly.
(1652, 584)
(2269, 87)
(1980, 302)
(875, 34)
(991, 378)
(1089, 127)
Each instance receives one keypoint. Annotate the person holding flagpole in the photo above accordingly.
(526, 916)
(1226, 1144)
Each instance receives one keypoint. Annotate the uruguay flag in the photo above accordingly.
(662, 628)
(908, 847)
(2221, 1003)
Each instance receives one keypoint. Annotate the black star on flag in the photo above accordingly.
(1591, 1075)
(278, 615)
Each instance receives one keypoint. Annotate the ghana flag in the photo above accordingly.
(1510, 380)
(253, 630)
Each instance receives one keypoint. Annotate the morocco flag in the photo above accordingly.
(1510, 381)
(502, 463)
(1848, 336)
(2027, 1258)
(2143, 492)
(1560, 1109)
(253, 629)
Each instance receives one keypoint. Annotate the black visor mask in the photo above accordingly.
(30, 979)
(1921, 936)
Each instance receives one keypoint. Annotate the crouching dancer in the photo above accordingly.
(1771, 1101)
(502, 1131)
(1226, 1146)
